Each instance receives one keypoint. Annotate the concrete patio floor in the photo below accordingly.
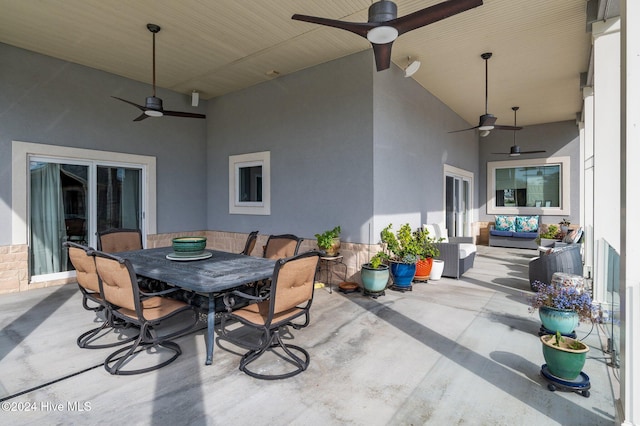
(449, 352)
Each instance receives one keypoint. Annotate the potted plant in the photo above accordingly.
(564, 225)
(565, 357)
(402, 250)
(560, 307)
(329, 241)
(429, 251)
(375, 275)
(548, 236)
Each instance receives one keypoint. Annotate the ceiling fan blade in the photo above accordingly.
(432, 14)
(183, 114)
(359, 28)
(533, 152)
(500, 127)
(382, 53)
(141, 117)
(464, 130)
(140, 107)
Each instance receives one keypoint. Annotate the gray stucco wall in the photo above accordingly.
(558, 139)
(411, 147)
(318, 126)
(49, 101)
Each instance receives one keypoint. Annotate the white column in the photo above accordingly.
(586, 152)
(630, 212)
(606, 137)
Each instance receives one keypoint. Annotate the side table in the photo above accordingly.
(328, 264)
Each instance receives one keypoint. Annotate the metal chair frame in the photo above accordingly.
(148, 337)
(90, 295)
(272, 329)
(250, 244)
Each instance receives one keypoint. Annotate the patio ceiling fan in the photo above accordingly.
(383, 25)
(515, 149)
(487, 121)
(153, 104)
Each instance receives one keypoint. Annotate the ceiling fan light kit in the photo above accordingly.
(382, 35)
(383, 26)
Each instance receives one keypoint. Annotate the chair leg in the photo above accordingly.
(132, 350)
(85, 339)
(301, 363)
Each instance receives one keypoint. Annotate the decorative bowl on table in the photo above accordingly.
(188, 246)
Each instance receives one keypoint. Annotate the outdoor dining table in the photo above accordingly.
(219, 274)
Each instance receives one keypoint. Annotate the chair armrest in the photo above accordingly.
(159, 293)
(466, 240)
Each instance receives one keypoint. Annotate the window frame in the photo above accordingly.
(237, 162)
(565, 176)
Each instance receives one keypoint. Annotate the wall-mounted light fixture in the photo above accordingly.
(412, 67)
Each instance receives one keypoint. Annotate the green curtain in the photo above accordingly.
(48, 230)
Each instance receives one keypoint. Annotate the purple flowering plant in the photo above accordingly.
(562, 297)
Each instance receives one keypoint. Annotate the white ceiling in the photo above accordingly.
(539, 47)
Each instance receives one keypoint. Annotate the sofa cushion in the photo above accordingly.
(466, 249)
(526, 224)
(505, 223)
(497, 233)
(531, 235)
(442, 233)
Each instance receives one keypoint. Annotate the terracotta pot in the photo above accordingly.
(423, 268)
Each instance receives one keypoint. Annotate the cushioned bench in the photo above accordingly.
(515, 232)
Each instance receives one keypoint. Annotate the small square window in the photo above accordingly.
(249, 183)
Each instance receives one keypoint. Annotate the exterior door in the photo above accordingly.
(458, 187)
(71, 200)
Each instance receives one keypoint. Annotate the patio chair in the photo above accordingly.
(289, 298)
(116, 240)
(565, 259)
(458, 253)
(145, 310)
(81, 258)
(250, 244)
(280, 246)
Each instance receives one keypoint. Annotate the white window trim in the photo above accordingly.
(249, 160)
(565, 203)
(22, 151)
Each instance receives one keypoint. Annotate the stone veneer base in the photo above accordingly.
(14, 259)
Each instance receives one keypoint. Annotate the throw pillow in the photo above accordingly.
(526, 223)
(505, 223)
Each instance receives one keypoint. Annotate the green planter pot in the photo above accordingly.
(374, 280)
(562, 320)
(562, 361)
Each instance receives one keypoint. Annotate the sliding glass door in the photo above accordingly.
(71, 200)
(458, 189)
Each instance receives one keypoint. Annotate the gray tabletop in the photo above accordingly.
(222, 271)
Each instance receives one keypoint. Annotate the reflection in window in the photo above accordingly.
(250, 183)
(530, 186)
(537, 186)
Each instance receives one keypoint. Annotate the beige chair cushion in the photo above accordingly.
(279, 248)
(85, 269)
